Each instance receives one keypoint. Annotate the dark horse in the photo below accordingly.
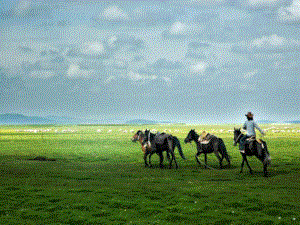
(146, 148)
(163, 142)
(251, 148)
(215, 145)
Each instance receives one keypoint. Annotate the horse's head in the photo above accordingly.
(137, 136)
(237, 134)
(191, 136)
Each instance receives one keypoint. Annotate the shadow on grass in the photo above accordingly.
(260, 173)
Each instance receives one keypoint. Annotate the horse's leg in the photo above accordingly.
(150, 155)
(173, 157)
(219, 158)
(205, 160)
(171, 148)
(145, 158)
(168, 156)
(247, 163)
(242, 166)
(196, 156)
(161, 159)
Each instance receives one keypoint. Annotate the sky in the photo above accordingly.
(188, 61)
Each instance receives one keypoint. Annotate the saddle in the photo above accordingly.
(253, 138)
(205, 138)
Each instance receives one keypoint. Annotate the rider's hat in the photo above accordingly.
(249, 114)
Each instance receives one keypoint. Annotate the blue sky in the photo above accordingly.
(194, 61)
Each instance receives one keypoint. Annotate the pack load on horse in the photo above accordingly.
(250, 145)
(161, 142)
(208, 143)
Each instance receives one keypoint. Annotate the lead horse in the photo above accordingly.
(163, 142)
(251, 149)
(146, 148)
(215, 145)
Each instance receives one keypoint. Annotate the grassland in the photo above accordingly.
(99, 178)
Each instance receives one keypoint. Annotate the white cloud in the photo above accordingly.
(205, 2)
(114, 13)
(135, 76)
(112, 41)
(74, 71)
(271, 41)
(178, 28)
(290, 14)
(198, 67)
(92, 49)
(269, 44)
(22, 8)
(264, 3)
(250, 74)
(183, 29)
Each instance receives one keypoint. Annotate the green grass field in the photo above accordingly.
(99, 178)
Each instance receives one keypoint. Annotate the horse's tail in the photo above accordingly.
(267, 159)
(177, 144)
(223, 150)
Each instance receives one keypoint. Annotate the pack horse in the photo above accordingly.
(208, 144)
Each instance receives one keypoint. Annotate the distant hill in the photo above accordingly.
(14, 118)
(140, 121)
(292, 121)
(20, 119)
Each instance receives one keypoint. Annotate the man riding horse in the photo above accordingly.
(249, 126)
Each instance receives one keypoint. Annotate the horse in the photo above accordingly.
(163, 142)
(215, 145)
(146, 148)
(251, 149)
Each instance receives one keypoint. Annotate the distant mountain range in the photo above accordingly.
(15, 119)
(266, 121)
(293, 121)
(270, 121)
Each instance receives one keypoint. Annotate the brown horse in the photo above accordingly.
(146, 147)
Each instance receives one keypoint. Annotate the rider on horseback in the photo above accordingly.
(249, 126)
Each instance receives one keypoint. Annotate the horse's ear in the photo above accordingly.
(234, 128)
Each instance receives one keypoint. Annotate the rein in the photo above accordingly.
(237, 140)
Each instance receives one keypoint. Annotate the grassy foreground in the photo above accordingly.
(99, 178)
